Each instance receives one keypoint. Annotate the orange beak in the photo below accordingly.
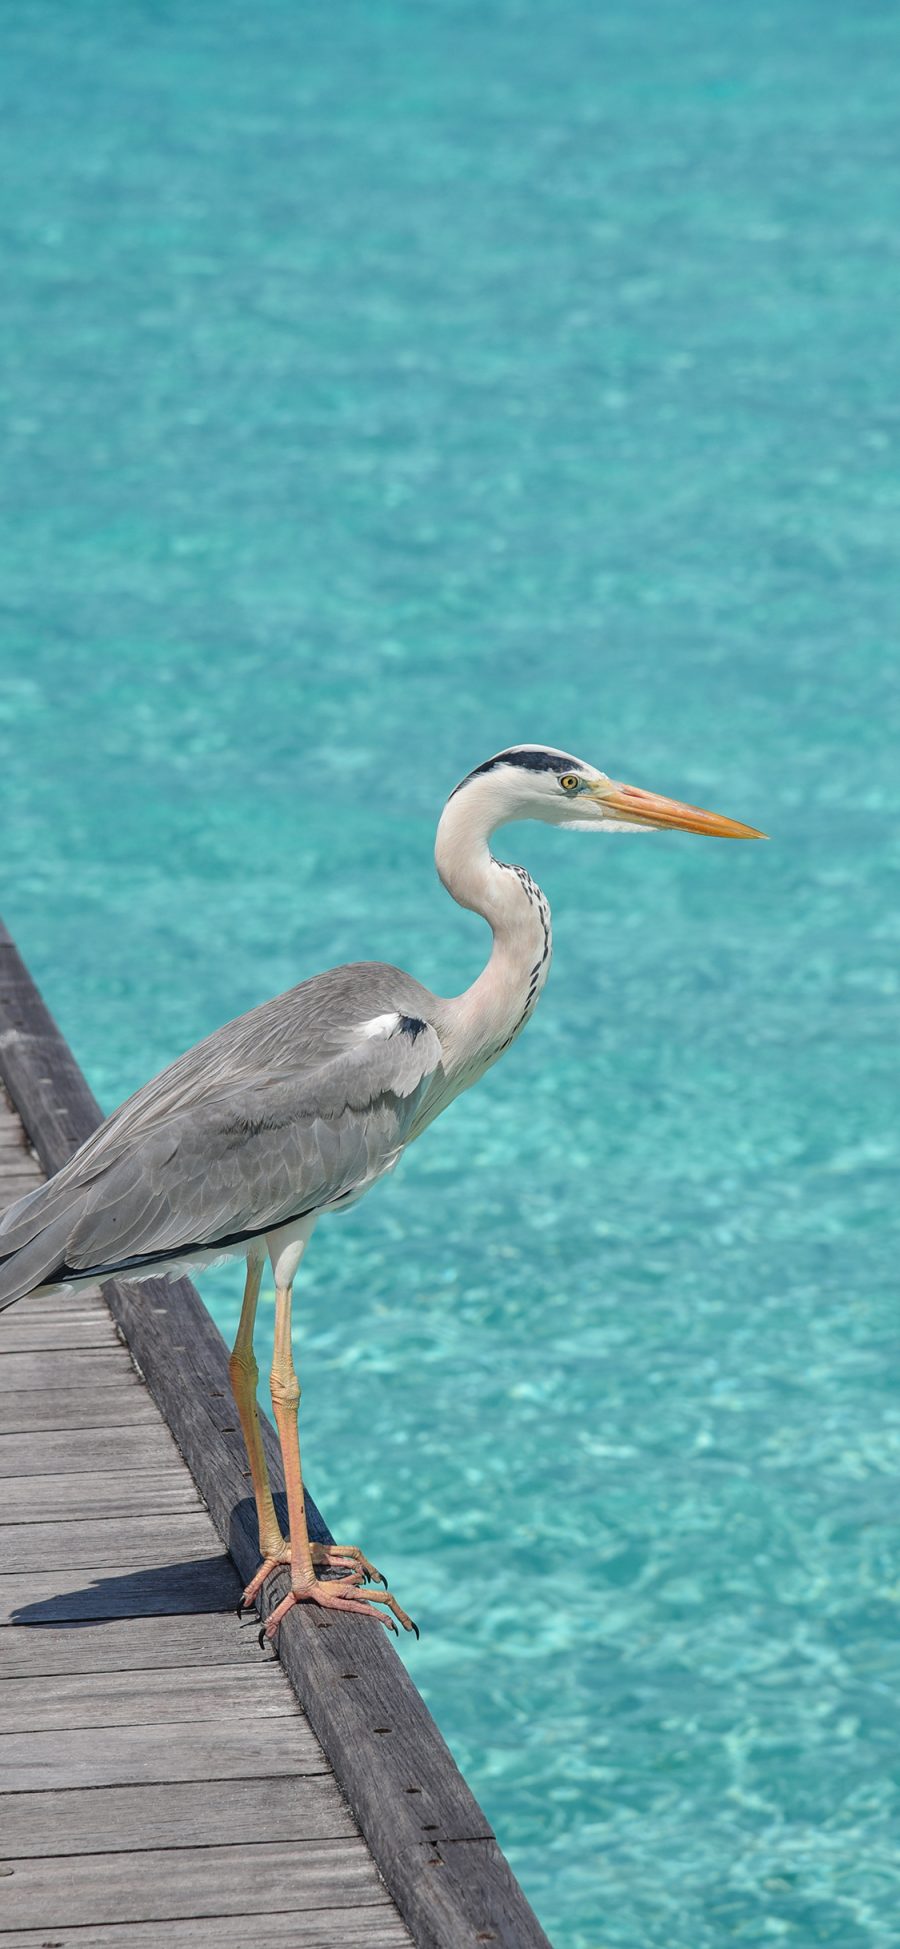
(649, 809)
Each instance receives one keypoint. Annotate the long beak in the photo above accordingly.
(649, 809)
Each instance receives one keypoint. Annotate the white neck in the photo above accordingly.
(489, 1015)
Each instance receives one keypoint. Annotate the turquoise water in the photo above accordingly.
(380, 387)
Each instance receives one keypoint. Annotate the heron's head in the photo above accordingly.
(534, 781)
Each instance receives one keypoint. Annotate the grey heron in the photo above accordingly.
(299, 1107)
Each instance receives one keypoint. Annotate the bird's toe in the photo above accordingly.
(266, 1568)
(337, 1556)
(333, 1594)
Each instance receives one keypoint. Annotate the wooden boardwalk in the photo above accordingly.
(161, 1782)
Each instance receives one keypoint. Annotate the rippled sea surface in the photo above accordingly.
(379, 387)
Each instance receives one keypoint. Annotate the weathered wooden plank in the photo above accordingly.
(20, 1334)
(91, 1820)
(79, 1699)
(151, 1885)
(89, 1544)
(72, 1303)
(48, 1410)
(401, 1783)
(53, 1596)
(87, 1303)
(312, 1928)
(79, 1370)
(63, 1498)
(131, 1755)
(86, 1450)
(134, 1644)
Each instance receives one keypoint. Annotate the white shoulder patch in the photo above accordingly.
(380, 1025)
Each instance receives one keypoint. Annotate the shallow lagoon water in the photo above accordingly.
(373, 399)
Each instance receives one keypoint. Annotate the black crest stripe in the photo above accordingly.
(532, 758)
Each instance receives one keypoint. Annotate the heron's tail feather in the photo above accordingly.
(33, 1238)
(38, 1263)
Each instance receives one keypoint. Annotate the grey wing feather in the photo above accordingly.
(203, 1157)
(292, 1036)
(259, 1157)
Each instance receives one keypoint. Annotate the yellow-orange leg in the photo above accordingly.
(274, 1548)
(305, 1586)
(244, 1374)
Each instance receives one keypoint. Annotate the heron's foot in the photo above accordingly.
(276, 1560)
(333, 1595)
(355, 1568)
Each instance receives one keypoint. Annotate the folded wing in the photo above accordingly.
(239, 1159)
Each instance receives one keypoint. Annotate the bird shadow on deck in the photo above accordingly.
(193, 1585)
(204, 1585)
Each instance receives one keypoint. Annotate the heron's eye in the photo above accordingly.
(571, 782)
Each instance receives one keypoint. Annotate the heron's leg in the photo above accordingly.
(274, 1548)
(244, 1374)
(285, 1405)
(305, 1586)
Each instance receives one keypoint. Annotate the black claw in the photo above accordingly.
(381, 1579)
(262, 1638)
(240, 1609)
(416, 1629)
(391, 1626)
